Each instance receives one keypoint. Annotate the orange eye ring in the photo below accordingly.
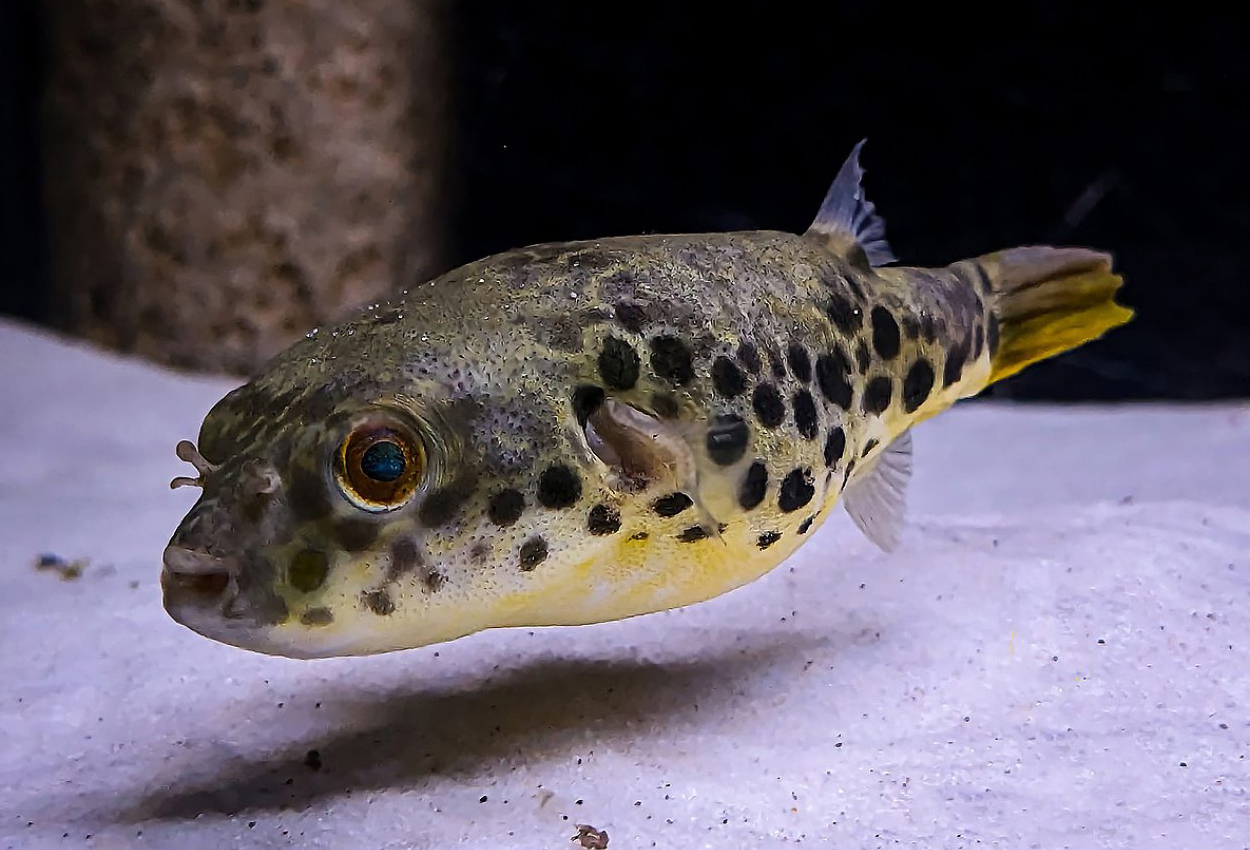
(378, 466)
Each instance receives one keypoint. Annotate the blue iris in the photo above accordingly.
(383, 461)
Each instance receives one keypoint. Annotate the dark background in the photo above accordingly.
(1048, 123)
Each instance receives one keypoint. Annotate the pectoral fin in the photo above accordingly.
(876, 499)
(645, 452)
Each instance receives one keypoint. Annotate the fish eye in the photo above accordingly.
(378, 466)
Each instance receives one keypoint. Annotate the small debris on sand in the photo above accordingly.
(67, 570)
(590, 838)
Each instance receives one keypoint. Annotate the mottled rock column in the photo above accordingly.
(223, 175)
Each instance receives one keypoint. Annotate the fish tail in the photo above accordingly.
(1046, 301)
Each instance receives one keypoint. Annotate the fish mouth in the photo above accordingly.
(192, 580)
(201, 592)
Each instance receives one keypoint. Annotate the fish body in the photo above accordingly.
(578, 432)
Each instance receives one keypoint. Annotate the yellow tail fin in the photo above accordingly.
(1049, 300)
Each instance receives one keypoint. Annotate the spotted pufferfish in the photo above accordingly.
(580, 432)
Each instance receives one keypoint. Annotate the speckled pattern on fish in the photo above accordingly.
(579, 432)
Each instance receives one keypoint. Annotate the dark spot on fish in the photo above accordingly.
(378, 601)
(704, 344)
(307, 570)
(754, 486)
(480, 552)
(853, 284)
(639, 535)
(776, 363)
(258, 600)
(307, 495)
(441, 505)
(727, 439)
(405, 557)
(800, 362)
(832, 371)
(953, 370)
(280, 454)
(911, 326)
(671, 360)
(769, 407)
(506, 507)
(692, 534)
(355, 535)
(317, 617)
(664, 405)
(805, 414)
(768, 538)
(917, 385)
(797, 490)
(390, 317)
(586, 400)
(320, 403)
(978, 343)
(863, 358)
(463, 412)
(533, 553)
(433, 581)
(721, 526)
(868, 447)
(603, 519)
(255, 505)
(991, 333)
(928, 328)
(835, 445)
(846, 316)
(806, 524)
(559, 487)
(672, 504)
(277, 405)
(618, 286)
(749, 356)
(884, 333)
(618, 364)
(594, 259)
(563, 333)
(850, 466)
(727, 379)
(631, 316)
(877, 395)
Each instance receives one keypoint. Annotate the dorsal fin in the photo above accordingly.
(848, 218)
(877, 498)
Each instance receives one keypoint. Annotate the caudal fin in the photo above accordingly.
(1048, 301)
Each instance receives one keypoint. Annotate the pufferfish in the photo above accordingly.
(580, 432)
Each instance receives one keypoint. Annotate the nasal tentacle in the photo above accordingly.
(186, 450)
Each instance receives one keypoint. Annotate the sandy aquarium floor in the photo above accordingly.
(1058, 656)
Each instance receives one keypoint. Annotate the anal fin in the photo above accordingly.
(877, 498)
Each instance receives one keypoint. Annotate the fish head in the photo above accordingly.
(321, 490)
